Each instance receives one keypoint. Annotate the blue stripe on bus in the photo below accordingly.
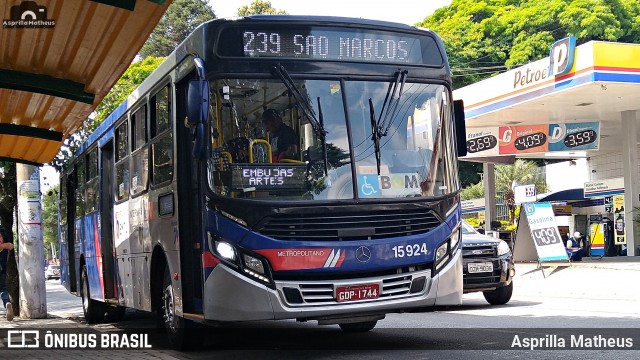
(387, 253)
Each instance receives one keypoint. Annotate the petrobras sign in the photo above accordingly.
(602, 188)
(537, 138)
(561, 56)
(574, 136)
(473, 205)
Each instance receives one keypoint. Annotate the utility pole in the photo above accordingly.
(33, 294)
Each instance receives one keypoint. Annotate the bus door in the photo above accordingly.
(71, 232)
(106, 217)
(190, 208)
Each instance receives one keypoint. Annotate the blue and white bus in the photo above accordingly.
(179, 204)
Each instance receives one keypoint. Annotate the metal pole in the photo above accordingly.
(489, 179)
(33, 294)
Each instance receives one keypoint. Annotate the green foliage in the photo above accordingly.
(487, 37)
(473, 221)
(259, 7)
(131, 79)
(469, 172)
(475, 191)
(50, 221)
(522, 172)
(181, 18)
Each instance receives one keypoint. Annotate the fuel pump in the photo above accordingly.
(596, 235)
(610, 248)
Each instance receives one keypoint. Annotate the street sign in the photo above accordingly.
(525, 193)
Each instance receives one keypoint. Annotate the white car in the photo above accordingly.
(52, 271)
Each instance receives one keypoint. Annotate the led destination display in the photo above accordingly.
(330, 43)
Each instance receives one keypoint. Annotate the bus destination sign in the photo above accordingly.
(330, 43)
(256, 177)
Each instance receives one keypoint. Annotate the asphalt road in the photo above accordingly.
(475, 330)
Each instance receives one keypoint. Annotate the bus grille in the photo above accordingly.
(322, 293)
(349, 226)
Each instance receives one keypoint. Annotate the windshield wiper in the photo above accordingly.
(375, 134)
(286, 79)
(324, 143)
(380, 128)
(390, 107)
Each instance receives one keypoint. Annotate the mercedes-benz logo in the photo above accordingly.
(363, 254)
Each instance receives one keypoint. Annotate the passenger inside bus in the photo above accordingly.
(283, 140)
(239, 149)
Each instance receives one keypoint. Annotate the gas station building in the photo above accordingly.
(581, 102)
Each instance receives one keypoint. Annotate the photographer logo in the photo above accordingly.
(28, 14)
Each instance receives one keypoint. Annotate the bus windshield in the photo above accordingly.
(323, 146)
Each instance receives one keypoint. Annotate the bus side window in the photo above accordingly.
(80, 171)
(91, 187)
(122, 162)
(161, 137)
(140, 151)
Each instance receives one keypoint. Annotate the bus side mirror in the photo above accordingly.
(461, 130)
(198, 102)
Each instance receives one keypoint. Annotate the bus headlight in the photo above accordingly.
(455, 240)
(255, 268)
(253, 264)
(226, 251)
(441, 252)
(503, 248)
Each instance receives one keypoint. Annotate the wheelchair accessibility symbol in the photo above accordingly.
(368, 185)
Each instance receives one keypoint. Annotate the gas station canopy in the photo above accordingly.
(58, 60)
(580, 102)
(602, 80)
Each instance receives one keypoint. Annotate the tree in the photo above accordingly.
(487, 37)
(181, 18)
(475, 191)
(50, 222)
(469, 173)
(522, 172)
(484, 38)
(259, 7)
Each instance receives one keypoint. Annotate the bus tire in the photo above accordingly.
(93, 310)
(499, 296)
(359, 326)
(115, 313)
(181, 333)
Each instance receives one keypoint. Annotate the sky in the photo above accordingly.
(403, 11)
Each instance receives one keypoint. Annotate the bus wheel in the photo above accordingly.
(499, 296)
(93, 310)
(359, 326)
(180, 331)
(115, 313)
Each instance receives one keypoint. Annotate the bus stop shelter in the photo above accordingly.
(595, 83)
(58, 59)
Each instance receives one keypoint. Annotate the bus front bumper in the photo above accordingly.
(230, 296)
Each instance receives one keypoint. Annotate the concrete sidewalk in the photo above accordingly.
(608, 278)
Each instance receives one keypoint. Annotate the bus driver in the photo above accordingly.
(283, 140)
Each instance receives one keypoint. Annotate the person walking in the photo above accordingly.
(6, 245)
